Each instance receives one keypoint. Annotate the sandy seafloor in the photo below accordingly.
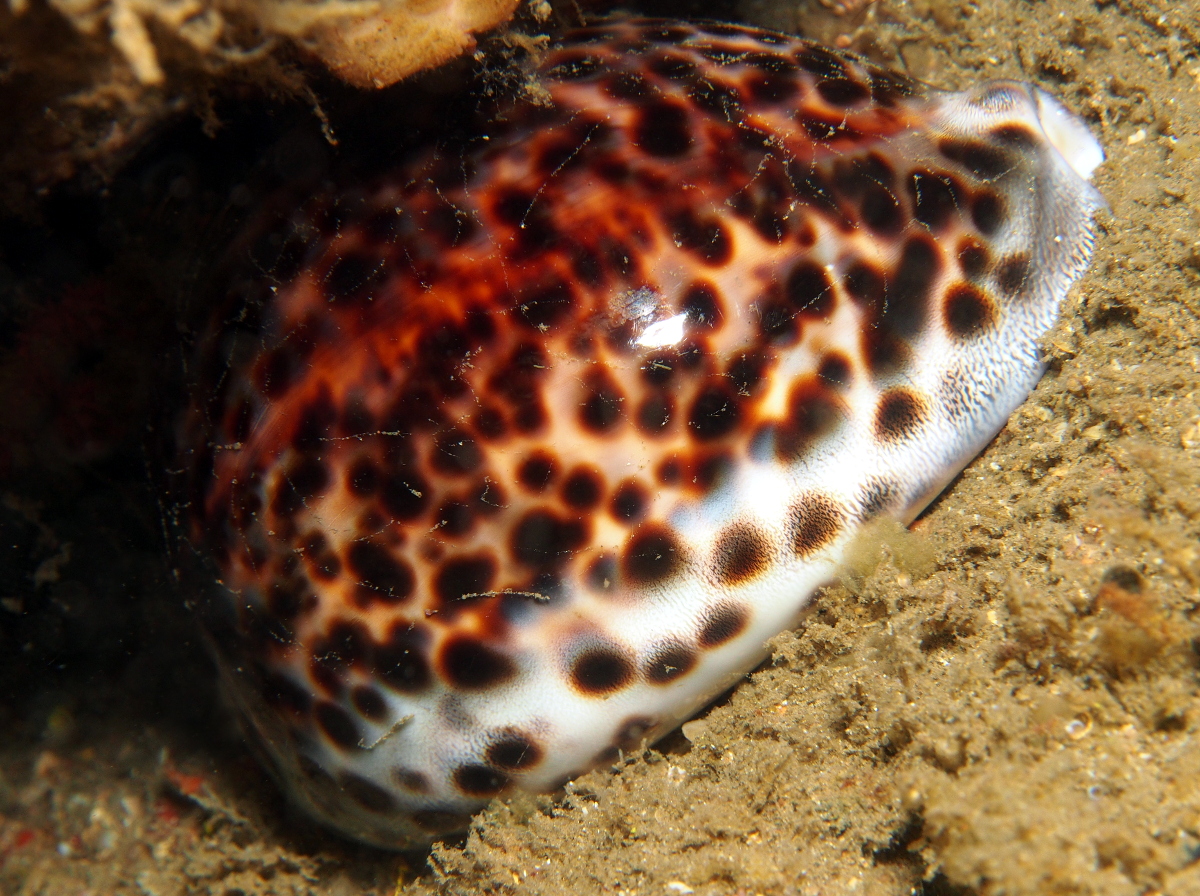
(1005, 701)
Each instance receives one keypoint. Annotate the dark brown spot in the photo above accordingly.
(315, 773)
(770, 88)
(474, 666)
(539, 306)
(356, 419)
(345, 645)
(338, 725)
(455, 453)
(827, 130)
(937, 198)
(309, 477)
(777, 323)
(835, 369)
(1016, 135)
(718, 52)
(588, 267)
(704, 237)
(286, 501)
(613, 170)
(709, 470)
(702, 306)
(375, 568)
(899, 413)
(746, 372)
(316, 423)
(405, 495)
(628, 86)
(967, 310)
(672, 66)
(808, 289)
(910, 287)
(842, 91)
(602, 573)
(723, 623)
(323, 563)
(601, 409)
(629, 502)
(973, 257)
(884, 353)
(400, 661)
(511, 207)
(987, 211)
(354, 277)
(513, 751)
(770, 224)
(869, 183)
(767, 63)
(410, 780)
(663, 129)
(454, 518)
(888, 87)
(742, 553)
(716, 98)
(366, 793)
(543, 540)
(544, 306)
(529, 414)
(714, 413)
(865, 283)
(817, 60)
(816, 191)
(986, 161)
(537, 472)
(880, 210)
(814, 412)
(362, 479)
(448, 224)
(1012, 274)
(620, 257)
(601, 670)
(652, 555)
(669, 661)
(464, 577)
(659, 369)
(669, 471)
(479, 780)
(583, 488)
(815, 521)
(654, 414)
(369, 702)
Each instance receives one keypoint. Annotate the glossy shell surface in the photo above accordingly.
(532, 449)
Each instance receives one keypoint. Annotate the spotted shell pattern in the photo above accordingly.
(533, 448)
